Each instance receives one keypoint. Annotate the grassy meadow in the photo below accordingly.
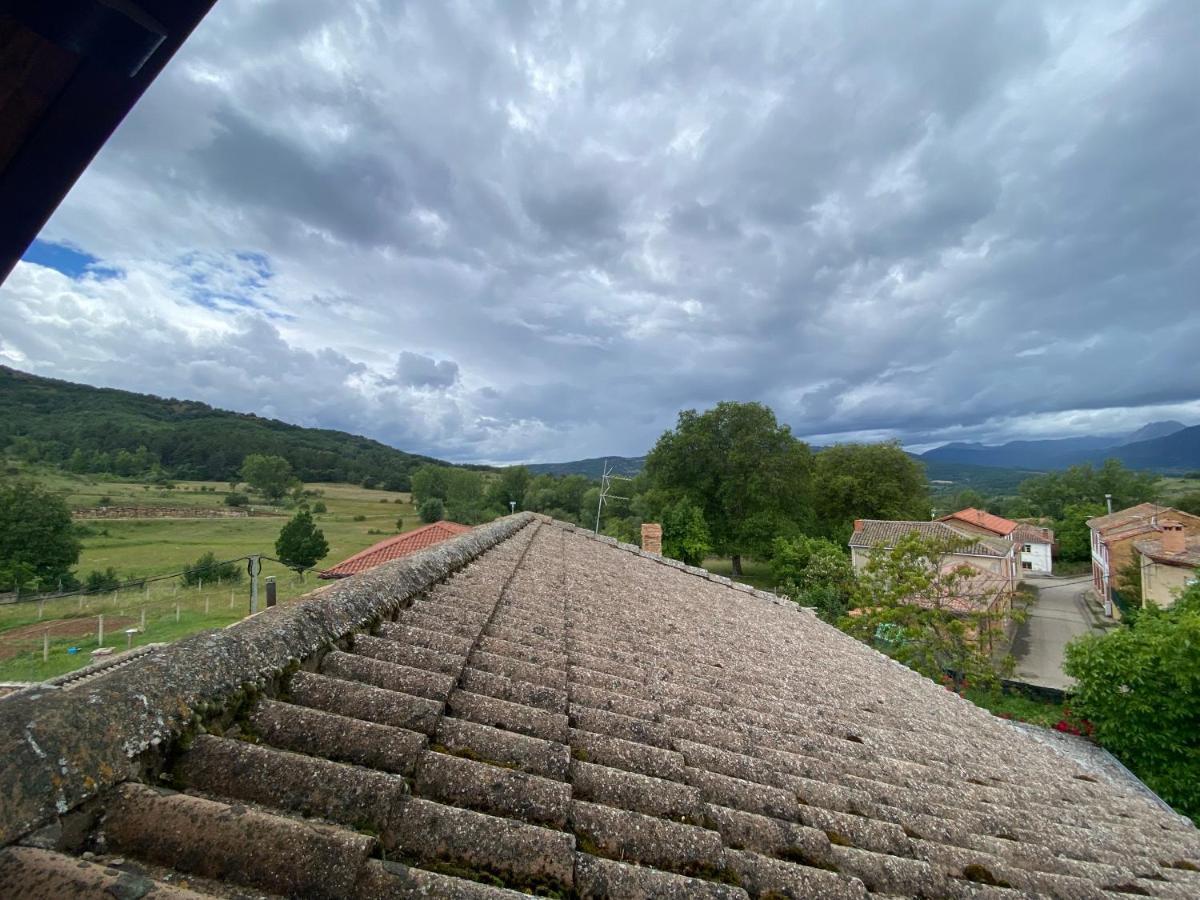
(148, 548)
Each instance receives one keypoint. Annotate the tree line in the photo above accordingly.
(97, 430)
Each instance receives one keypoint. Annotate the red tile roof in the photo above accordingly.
(396, 547)
(1140, 519)
(980, 519)
(1187, 558)
(871, 533)
(1032, 534)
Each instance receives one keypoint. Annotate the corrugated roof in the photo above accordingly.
(560, 715)
(872, 533)
(979, 518)
(395, 548)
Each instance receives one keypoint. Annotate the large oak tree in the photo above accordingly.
(745, 471)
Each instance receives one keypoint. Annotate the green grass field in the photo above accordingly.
(753, 572)
(1172, 487)
(146, 548)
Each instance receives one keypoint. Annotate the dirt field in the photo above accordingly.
(17, 640)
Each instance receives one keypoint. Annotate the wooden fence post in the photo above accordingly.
(100, 630)
(46, 645)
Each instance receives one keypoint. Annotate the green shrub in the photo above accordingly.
(236, 499)
(432, 510)
(208, 569)
(320, 507)
(1138, 687)
(102, 581)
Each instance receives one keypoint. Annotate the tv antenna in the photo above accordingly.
(606, 479)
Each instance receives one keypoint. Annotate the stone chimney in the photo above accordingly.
(652, 538)
(1173, 537)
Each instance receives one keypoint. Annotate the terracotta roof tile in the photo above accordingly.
(871, 533)
(1032, 534)
(1140, 518)
(1188, 557)
(996, 524)
(395, 548)
(631, 730)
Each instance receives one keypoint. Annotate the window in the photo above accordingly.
(1026, 565)
(1027, 548)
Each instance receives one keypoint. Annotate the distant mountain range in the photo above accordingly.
(1164, 446)
(592, 468)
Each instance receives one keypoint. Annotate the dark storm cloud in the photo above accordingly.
(416, 370)
(934, 221)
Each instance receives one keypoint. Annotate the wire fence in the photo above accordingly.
(49, 635)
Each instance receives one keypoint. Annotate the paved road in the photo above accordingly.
(1060, 614)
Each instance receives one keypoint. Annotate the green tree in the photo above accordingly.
(78, 463)
(271, 476)
(432, 510)
(1053, 492)
(968, 498)
(301, 543)
(430, 481)
(1071, 532)
(814, 571)
(37, 540)
(1188, 503)
(125, 463)
(1129, 579)
(747, 474)
(509, 486)
(208, 569)
(866, 481)
(685, 534)
(929, 612)
(1138, 687)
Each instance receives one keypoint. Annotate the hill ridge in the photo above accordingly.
(51, 419)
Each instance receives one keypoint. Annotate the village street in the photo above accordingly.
(1060, 614)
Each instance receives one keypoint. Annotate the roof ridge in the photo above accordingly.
(698, 571)
(62, 747)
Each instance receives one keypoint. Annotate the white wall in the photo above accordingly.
(1038, 557)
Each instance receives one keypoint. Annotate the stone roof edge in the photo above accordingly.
(62, 747)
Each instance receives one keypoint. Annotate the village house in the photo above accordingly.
(986, 552)
(396, 547)
(1036, 544)
(991, 560)
(1170, 563)
(1113, 537)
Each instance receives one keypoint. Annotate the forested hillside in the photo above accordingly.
(87, 429)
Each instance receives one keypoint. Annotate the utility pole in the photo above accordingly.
(253, 567)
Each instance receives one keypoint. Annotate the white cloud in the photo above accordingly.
(538, 230)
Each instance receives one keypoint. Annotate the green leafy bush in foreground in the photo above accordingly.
(1138, 686)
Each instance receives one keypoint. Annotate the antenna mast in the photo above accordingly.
(606, 480)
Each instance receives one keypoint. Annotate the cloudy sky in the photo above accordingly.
(535, 231)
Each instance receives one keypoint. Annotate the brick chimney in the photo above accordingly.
(1173, 537)
(652, 537)
(858, 524)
